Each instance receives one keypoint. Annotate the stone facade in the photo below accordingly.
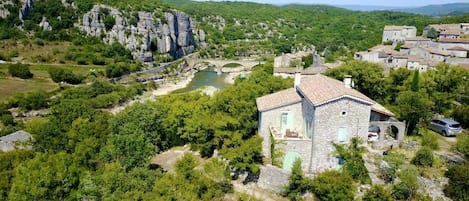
(398, 33)
(346, 114)
(272, 118)
(308, 128)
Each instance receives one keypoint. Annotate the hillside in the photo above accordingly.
(442, 10)
(333, 31)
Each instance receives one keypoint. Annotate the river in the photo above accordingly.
(203, 78)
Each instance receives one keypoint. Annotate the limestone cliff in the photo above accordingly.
(4, 12)
(169, 33)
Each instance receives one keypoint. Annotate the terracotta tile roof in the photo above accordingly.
(275, 100)
(381, 109)
(320, 89)
(457, 48)
(447, 40)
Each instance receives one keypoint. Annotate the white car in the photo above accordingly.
(373, 133)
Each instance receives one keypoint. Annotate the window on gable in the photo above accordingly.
(342, 137)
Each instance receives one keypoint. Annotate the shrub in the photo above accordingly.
(407, 187)
(462, 145)
(423, 157)
(20, 70)
(298, 184)
(429, 139)
(333, 185)
(377, 193)
(458, 185)
(61, 75)
(34, 100)
(39, 42)
(109, 22)
(354, 165)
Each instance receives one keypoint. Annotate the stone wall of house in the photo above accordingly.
(273, 178)
(272, 118)
(456, 61)
(303, 147)
(446, 45)
(347, 113)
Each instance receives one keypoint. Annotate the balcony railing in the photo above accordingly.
(289, 133)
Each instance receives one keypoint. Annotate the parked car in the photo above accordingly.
(373, 133)
(445, 126)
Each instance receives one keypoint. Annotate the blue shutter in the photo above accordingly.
(342, 134)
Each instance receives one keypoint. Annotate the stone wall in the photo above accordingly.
(347, 113)
(273, 178)
(272, 118)
(303, 147)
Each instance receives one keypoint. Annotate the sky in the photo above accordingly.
(393, 3)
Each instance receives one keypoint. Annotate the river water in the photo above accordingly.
(203, 78)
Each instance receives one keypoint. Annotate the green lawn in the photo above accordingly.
(11, 86)
(41, 80)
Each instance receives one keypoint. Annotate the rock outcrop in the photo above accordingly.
(4, 12)
(174, 35)
(45, 24)
(27, 6)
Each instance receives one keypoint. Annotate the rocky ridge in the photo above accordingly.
(174, 35)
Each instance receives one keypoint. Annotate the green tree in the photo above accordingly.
(354, 164)
(415, 82)
(45, 177)
(367, 77)
(298, 184)
(413, 107)
(334, 186)
(432, 33)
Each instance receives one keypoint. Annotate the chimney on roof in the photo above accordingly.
(348, 81)
(297, 77)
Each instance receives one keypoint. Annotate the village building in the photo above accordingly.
(448, 31)
(419, 53)
(287, 65)
(398, 33)
(458, 51)
(306, 120)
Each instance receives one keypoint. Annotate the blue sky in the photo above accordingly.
(393, 3)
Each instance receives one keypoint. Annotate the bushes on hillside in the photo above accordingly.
(20, 70)
(65, 75)
(458, 185)
(377, 193)
(334, 186)
(423, 157)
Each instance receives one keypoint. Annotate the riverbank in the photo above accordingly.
(169, 85)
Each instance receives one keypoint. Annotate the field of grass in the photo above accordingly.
(30, 51)
(41, 80)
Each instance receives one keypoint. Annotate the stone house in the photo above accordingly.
(448, 31)
(458, 51)
(305, 120)
(398, 33)
(417, 63)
